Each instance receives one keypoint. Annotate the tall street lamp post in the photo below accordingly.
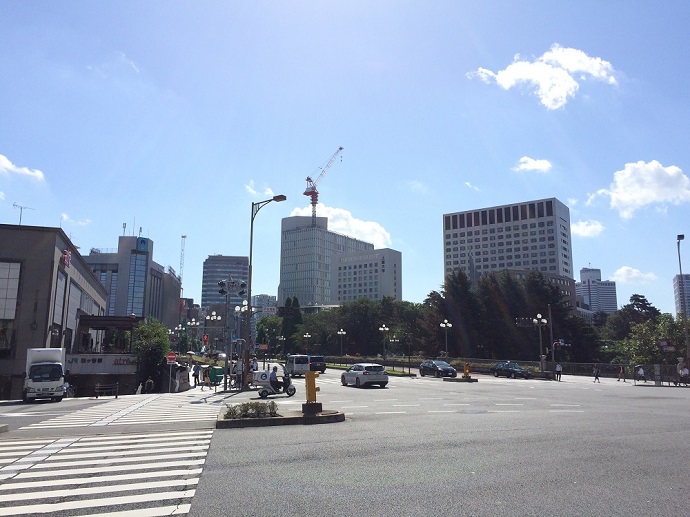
(384, 329)
(445, 326)
(194, 324)
(306, 338)
(247, 327)
(540, 322)
(683, 308)
(341, 333)
(280, 339)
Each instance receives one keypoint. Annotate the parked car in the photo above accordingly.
(509, 369)
(317, 363)
(365, 374)
(437, 369)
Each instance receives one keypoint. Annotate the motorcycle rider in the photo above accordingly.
(273, 379)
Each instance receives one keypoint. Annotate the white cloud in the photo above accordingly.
(551, 75)
(571, 201)
(67, 219)
(2, 196)
(640, 184)
(115, 65)
(251, 188)
(587, 228)
(629, 275)
(418, 186)
(530, 164)
(469, 185)
(342, 221)
(7, 168)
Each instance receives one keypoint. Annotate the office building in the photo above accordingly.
(595, 294)
(526, 236)
(369, 274)
(136, 284)
(45, 288)
(307, 254)
(682, 291)
(228, 269)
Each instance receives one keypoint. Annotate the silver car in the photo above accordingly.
(365, 374)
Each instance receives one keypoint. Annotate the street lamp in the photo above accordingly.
(247, 331)
(384, 329)
(306, 337)
(445, 326)
(341, 333)
(540, 322)
(683, 308)
(280, 340)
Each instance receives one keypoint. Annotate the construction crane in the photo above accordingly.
(184, 239)
(311, 186)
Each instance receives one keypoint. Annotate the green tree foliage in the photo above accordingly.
(151, 343)
(268, 329)
(292, 317)
(619, 324)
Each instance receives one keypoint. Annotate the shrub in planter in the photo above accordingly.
(252, 410)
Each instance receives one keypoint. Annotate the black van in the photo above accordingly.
(317, 363)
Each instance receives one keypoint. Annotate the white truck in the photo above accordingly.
(45, 374)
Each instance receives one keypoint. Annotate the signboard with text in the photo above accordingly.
(87, 364)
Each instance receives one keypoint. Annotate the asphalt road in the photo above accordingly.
(419, 446)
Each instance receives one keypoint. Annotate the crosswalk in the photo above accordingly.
(148, 409)
(143, 475)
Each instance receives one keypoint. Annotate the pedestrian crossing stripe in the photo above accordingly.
(136, 473)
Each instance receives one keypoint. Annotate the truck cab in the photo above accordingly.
(45, 374)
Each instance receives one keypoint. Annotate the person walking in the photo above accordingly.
(640, 374)
(621, 373)
(195, 373)
(595, 371)
(148, 385)
(559, 370)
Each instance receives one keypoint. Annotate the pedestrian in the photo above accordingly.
(640, 374)
(596, 373)
(205, 379)
(559, 370)
(148, 385)
(195, 373)
(621, 373)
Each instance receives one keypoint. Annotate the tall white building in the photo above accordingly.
(680, 289)
(370, 274)
(307, 252)
(596, 294)
(526, 236)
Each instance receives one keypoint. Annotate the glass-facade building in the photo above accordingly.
(223, 268)
(307, 252)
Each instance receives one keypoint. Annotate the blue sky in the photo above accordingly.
(174, 117)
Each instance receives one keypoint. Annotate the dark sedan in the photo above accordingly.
(437, 369)
(509, 369)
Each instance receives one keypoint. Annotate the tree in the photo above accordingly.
(619, 324)
(151, 343)
(292, 317)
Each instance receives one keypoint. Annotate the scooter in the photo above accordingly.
(266, 389)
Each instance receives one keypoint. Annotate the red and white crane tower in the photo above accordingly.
(311, 186)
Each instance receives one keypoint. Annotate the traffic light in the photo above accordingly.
(205, 339)
(222, 289)
(243, 289)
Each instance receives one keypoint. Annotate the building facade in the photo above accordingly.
(135, 283)
(223, 268)
(369, 274)
(595, 294)
(526, 236)
(45, 287)
(307, 254)
(681, 294)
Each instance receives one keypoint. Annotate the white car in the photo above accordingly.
(365, 374)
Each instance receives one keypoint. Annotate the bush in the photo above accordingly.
(252, 410)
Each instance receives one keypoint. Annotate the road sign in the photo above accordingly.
(171, 357)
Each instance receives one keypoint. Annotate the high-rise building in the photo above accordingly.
(682, 291)
(135, 283)
(526, 236)
(367, 274)
(227, 269)
(596, 295)
(307, 253)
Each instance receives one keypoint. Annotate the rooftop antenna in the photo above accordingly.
(21, 210)
(124, 228)
(140, 231)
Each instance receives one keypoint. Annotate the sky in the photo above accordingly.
(173, 117)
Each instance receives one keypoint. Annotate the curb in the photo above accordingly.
(459, 379)
(4, 428)
(286, 418)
